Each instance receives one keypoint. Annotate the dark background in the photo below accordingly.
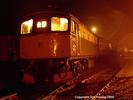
(112, 18)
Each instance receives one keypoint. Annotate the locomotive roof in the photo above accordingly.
(47, 13)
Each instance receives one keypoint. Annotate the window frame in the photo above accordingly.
(36, 30)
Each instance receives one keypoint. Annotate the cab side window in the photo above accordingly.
(74, 27)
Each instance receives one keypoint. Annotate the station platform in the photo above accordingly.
(126, 71)
(121, 88)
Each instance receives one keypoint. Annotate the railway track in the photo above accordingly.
(119, 88)
(63, 88)
(48, 93)
(88, 88)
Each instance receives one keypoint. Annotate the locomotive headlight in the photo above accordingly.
(41, 24)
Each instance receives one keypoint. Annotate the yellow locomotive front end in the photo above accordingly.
(41, 39)
(45, 47)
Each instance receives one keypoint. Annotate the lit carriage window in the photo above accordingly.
(59, 24)
(41, 24)
(26, 26)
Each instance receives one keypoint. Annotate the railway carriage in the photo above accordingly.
(55, 46)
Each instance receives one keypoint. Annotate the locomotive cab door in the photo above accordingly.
(75, 41)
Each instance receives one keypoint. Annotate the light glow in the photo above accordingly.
(94, 29)
(63, 21)
(125, 50)
(131, 50)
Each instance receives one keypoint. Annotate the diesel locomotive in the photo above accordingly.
(55, 46)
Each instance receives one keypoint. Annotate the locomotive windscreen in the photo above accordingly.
(59, 24)
(52, 24)
(26, 26)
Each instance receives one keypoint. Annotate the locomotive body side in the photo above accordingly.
(84, 41)
(88, 42)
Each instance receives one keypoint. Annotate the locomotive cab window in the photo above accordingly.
(26, 26)
(59, 24)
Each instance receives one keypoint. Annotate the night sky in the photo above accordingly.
(113, 18)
